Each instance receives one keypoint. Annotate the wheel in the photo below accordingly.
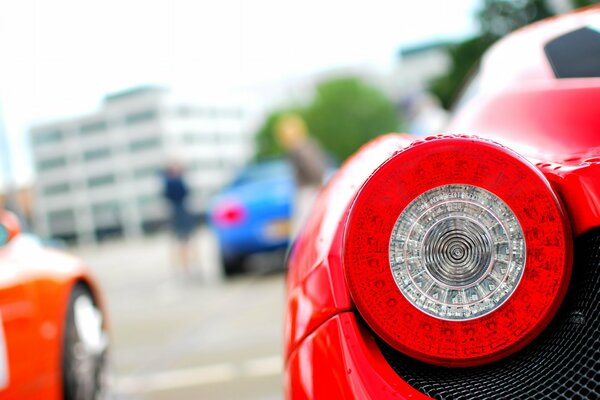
(85, 345)
(233, 265)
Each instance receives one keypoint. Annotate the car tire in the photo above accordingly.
(233, 265)
(85, 345)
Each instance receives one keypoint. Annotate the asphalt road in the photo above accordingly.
(190, 337)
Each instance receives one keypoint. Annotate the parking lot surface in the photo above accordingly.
(194, 336)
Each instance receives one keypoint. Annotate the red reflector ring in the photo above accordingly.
(426, 336)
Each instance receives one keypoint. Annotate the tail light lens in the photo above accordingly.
(457, 252)
(229, 213)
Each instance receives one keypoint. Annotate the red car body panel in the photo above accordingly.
(316, 286)
(555, 123)
(35, 285)
(338, 361)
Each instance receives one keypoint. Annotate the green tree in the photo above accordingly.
(346, 113)
(500, 17)
(464, 57)
(584, 3)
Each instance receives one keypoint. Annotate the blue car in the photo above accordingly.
(252, 214)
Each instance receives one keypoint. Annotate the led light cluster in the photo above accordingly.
(457, 252)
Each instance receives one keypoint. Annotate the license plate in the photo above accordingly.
(279, 229)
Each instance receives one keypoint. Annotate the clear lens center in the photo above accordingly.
(457, 252)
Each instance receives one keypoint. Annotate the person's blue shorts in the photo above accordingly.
(182, 223)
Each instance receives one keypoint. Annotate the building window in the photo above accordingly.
(199, 138)
(61, 221)
(101, 180)
(51, 163)
(58, 188)
(139, 117)
(149, 200)
(42, 138)
(96, 154)
(145, 172)
(92, 127)
(106, 214)
(188, 111)
(204, 165)
(144, 144)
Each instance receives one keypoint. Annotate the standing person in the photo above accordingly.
(176, 192)
(308, 161)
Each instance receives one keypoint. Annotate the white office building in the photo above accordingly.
(100, 175)
(418, 65)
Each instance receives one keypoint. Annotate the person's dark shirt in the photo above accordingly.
(175, 190)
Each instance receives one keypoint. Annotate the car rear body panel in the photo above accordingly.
(553, 124)
(339, 361)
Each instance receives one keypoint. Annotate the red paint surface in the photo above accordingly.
(35, 285)
(340, 360)
(577, 181)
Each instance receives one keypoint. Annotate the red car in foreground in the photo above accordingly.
(53, 329)
(467, 265)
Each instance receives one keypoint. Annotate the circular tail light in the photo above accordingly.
(229, 213)
(457, 252)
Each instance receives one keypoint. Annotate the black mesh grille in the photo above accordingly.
(562, 363)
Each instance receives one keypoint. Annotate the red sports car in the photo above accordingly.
(53, 329)
(467, 265)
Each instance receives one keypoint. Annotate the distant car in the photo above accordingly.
(252, 214)
(53, 328)
(464, 265)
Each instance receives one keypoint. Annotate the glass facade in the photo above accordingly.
(58, 188)
(51, 163)
(144, 172)
(42, 138)
(101, 180)
(61, 221)
(145, 144)
(139, 117)
(97, 154)
(92, 127)
(106, 214)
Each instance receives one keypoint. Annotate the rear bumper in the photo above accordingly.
(250, 245)
(340, 360)
(251, 239)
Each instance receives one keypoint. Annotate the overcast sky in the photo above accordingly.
(60, 57)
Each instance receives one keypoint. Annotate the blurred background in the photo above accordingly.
(143, 137)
